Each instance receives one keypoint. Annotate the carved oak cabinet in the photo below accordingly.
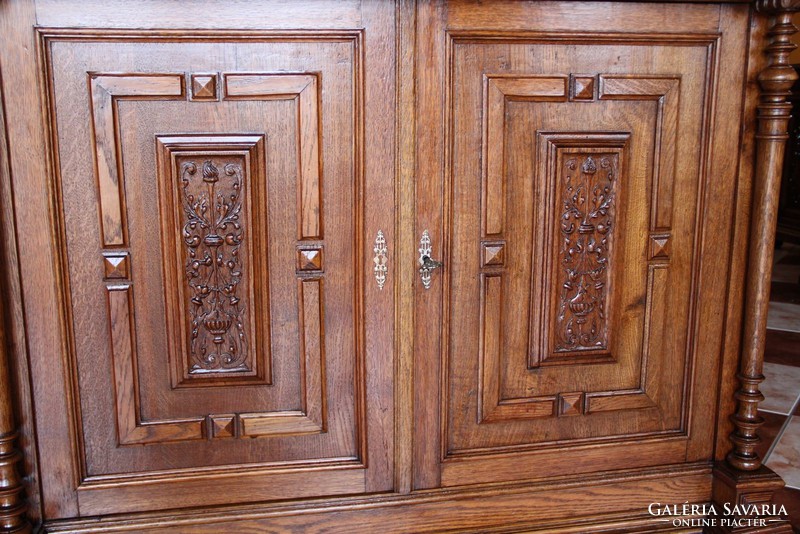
(339, 265)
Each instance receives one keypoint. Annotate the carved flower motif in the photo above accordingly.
(210, 172)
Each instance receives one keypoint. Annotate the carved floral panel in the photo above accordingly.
(217, 287)
(586, 227)
(213, 232)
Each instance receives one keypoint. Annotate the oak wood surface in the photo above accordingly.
(406, 249)
(264, 195)
(583, 170)
(39, 264)
(503, 386)
(13, 507)
(563, 504)
(295, 360)
(739, 241)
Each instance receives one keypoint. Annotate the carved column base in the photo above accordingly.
(740, 491)
(12, 503)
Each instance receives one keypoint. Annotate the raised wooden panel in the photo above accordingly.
(105, 91)
(581, 177)
(583, 172)
(303, 88)
(229, 335)
(575, 167)
(214, 217)
(216, 314)
(499, 90)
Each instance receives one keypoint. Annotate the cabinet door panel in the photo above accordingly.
(572, 315)
(219, 223)
(575, 169)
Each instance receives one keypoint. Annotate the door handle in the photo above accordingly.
(426, 264)
(430, 264)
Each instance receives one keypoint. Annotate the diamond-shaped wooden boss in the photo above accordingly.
(570, 403)
(581, 87)
(309, 259)
(115, 265)
(493, 254)
(204, 86)
(660, 248)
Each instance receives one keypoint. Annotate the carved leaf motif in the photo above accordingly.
(586, 225)
(213, 235)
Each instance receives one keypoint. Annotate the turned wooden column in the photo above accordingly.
(741, 479)
(776, 81)
(12, 503)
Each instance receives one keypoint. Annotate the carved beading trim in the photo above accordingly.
(776, 6)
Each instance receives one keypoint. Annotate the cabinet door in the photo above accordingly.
(586, 184)
(221, 208)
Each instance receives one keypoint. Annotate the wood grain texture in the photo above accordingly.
(14, 510)
(378, 124)
(29, 149)
(120, 303)
(302, 88)
(590, 17)
(103, 90)
(645, 392)
(192, 491)
(325, 340)
(558, 505)
(199, 189)
(274, 14)
(741, 146)
(498, 90)
(429, 198)
(406, 244)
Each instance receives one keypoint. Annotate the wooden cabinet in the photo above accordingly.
(384, 266)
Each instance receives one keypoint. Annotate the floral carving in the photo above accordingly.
(586, 226)
(213, 235)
